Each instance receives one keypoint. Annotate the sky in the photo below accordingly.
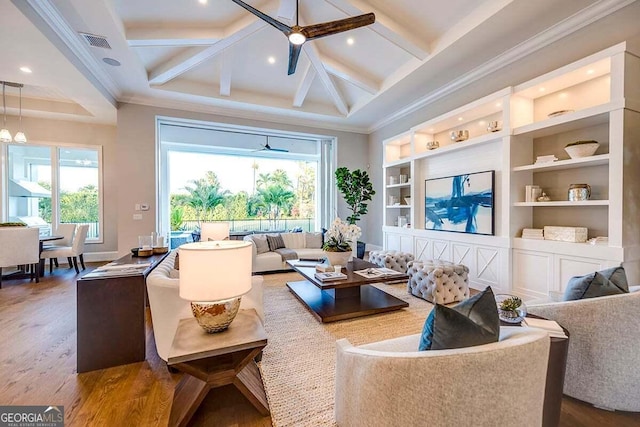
(234, 173)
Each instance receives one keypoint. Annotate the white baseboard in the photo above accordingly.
(100, 256)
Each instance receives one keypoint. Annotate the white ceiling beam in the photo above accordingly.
(287, 10)
(149, 37)
(305, 85)
(312, 53)
(183, 62)
(386, 27)
(356, 77)
(225, 73)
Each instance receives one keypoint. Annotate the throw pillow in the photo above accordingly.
(313, 240)
(174, 274)
(260, 240)
(612, 281)
(275, 241)
(473, 322)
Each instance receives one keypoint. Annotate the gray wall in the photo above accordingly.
(136, 148)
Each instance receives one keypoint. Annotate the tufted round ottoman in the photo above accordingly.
(438, 282)
(395, 260)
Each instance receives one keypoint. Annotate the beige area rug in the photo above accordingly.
(298, 364)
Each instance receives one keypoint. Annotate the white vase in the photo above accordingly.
(338, 258)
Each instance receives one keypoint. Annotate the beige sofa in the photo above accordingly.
(305, 245)
(167, 308)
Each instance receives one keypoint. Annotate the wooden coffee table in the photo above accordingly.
(343, 299)
(215, 360)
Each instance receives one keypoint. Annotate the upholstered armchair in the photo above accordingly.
(390, 383)
(20, 246)
(602, 363)
(167, 308)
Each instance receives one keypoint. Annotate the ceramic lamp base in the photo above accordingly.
(215, 317)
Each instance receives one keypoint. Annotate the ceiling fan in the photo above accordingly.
(267, 147)
(297, 35)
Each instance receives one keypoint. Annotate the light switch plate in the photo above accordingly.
(144, 206)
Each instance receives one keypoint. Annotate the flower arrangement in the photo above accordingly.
(340, 235)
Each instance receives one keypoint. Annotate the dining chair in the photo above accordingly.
(20, 246)
(73, 252)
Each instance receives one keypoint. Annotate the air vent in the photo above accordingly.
(96, 41)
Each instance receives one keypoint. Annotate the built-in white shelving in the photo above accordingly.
(562, 203)
(601, 159)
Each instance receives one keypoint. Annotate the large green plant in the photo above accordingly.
(356, 189)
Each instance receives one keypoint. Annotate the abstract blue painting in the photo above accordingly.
(461, 203)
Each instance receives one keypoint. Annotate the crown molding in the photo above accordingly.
(288, 118)
(46, 17)
(543, 39)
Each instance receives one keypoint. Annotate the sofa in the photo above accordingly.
(303, 245)
(391, 383)
(602, 362)
(167, 308)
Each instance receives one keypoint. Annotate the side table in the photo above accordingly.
(214, 360)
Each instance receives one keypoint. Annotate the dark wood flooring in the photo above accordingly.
(38, 366)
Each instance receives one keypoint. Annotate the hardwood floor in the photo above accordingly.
(38, 366)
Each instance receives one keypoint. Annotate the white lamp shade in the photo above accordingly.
(214, 231)
(20, 138)
(215, 271)
(5, 136)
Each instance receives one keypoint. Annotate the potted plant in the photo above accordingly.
(511, 309)
(337, 242)
(356, 189)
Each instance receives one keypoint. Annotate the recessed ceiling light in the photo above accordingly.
(542, 89)
(26, 70)
(271, 60)
(591, 71)
(482, 123)
(350, 41)
(564, 95)
(499, 104)
(432, 130)
(111, 61)
(202, 1)
(460, 119)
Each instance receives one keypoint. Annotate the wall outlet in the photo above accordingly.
(137, 217)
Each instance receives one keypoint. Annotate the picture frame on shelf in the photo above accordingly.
(461, 203)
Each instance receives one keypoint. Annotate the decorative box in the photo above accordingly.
(565, 234)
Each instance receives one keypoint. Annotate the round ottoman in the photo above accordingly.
(395, 260)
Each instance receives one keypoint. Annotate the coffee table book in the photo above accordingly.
(329, 276)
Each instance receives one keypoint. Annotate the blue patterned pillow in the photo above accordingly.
(473, 322)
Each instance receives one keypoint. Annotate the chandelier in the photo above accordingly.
(5, 135)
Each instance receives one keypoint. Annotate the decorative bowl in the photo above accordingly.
(559, 113)
(580, 149)
(460, 135)
(513, 315)
(407, 200)
(432, 145)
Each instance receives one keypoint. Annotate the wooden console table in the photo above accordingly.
(215, 360)
(111, 308)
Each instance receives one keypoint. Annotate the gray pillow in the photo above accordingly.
(313, 240)
(473, 322)
(275, 242)
(260, 241)
(612, 281)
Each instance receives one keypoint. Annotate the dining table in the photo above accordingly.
(44, 239)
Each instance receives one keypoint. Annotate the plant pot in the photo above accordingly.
(338, 258)
(360, 250)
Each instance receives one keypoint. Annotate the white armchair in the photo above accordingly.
(167, 308)
(390, 383)
(602, 362)
(20, 246)
(73, 252)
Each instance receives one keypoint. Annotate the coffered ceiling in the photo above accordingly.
(214, 56)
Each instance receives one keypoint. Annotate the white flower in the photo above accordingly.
(341, 235)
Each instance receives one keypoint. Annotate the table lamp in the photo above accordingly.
(214, 231)
(213, 276)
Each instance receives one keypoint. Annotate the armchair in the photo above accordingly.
(20, 246)
(390, 383)
(602, 362)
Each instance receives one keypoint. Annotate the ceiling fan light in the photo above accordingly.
(297, 38)
(20, 138)
(5, 135)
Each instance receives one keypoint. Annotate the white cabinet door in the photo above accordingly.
(567, 266)
(532, 272)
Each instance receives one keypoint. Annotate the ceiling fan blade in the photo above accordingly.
(294, 55)
(334, 27)
(279, 150)
(266, 18)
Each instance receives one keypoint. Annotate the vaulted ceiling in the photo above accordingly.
(214, 56)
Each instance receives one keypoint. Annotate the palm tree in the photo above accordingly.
(255, 167)
(276, 198)
(205, 195)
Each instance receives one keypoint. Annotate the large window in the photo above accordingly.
(48, 186)
(211, 173)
